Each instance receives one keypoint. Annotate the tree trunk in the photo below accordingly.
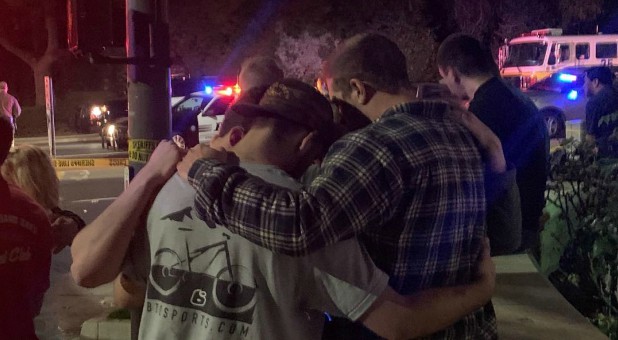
(40, 71)
(41, 68)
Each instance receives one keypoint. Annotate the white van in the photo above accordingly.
(536, 55)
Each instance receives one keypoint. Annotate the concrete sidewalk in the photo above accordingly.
(528, 307)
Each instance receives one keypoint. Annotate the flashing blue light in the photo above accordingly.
(572, 95)
(208, 89)
(567, 78)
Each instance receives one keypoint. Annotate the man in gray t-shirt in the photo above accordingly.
(206, 283)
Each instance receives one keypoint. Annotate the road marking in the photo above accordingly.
(85, 163)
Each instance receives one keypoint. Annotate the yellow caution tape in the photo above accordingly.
(141, 149)
(83, 163)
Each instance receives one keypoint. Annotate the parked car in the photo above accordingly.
(95, 115)
(561, 98)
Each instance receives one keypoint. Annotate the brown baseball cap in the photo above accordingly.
(298, 102)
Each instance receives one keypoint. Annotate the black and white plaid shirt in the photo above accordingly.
(409, 186)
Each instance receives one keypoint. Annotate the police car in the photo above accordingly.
(198, 116)
(195, 117)
(560, 98)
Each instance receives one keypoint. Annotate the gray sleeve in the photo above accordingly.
(136, 264)
(346, 282)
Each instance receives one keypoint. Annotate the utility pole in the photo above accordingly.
(148, 78)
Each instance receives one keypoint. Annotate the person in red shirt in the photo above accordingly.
(25, 253)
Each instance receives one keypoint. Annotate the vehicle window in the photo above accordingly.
(607, 50)
(563, 56)
(582, 51)
(188, 106)
(565, 53)
(528, 54)
(218, 107)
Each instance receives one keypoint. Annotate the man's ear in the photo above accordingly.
(595, 82)
(309, 146)
(455, 74)
(235, 135)
(360, 92)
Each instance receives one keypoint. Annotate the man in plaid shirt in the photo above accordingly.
(409, 186)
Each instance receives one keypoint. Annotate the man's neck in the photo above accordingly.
(602, 89)
(383, 101)
(472, 85)
(256, 152)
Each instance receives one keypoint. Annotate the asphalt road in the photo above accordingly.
(81, 146)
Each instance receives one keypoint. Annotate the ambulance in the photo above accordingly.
(535, 55)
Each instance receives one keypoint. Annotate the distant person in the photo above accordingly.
(601, 109)
(469, 71)
(259, 71)
(9, 106)
(25, 253)
(30, 168)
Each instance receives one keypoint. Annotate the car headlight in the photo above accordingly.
(96, 111)
(111, 130)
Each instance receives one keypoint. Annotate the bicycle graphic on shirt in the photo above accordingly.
(232, 289)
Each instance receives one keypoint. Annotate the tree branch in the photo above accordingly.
(22, 54)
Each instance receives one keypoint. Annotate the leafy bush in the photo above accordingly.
(585, 191)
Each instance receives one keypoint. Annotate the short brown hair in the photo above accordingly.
(467, 55)
(369, 57)
(602, 73)
(259, 71)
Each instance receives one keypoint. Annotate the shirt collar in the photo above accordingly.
(486, 86)
(425, 108)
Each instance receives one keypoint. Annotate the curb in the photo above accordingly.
(106, 329)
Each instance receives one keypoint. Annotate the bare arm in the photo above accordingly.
(98, 250)
(127, 293)
(402, 317)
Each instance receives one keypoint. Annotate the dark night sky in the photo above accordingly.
(19, 75)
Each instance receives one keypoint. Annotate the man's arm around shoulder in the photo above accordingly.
(403, 317)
